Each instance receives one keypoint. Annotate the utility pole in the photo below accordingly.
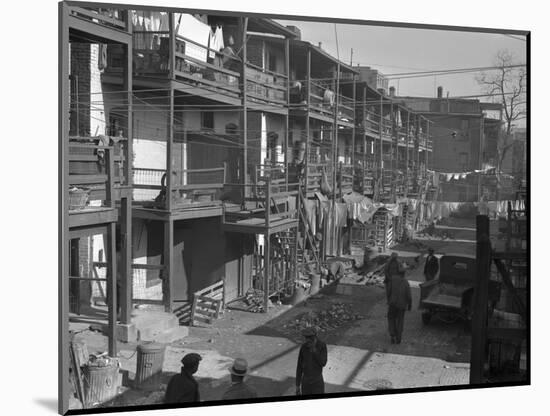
(480, 162)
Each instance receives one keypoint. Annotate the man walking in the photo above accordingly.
(431, 267)
(311, 360)
(183, 388)
(399, 299)
(239, 389)
(392, 268)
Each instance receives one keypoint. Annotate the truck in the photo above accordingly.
(450, 296)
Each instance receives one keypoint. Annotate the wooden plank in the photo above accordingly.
(481, 299)
(86, 218)
(112, 288)
(208, 82)
(206, 64)
(87, 179)
(510, 286)
(168, 281)
(79, 12)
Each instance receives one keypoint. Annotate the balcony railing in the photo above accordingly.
(190, 187)
(223, 74)
(345, 178)
(97, 171)
(113, 18)
(321, 98)
(346, 109)
(265, 86)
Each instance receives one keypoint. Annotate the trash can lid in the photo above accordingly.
(150, 347)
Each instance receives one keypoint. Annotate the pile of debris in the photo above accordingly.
(254, 300)
(332, 318)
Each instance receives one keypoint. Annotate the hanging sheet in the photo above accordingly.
(196, 31)
(310, 208)
(216, 41)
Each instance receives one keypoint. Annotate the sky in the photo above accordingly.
(397, 50)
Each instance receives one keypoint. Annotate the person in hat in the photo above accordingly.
(239, 389)
(183, 388)
(392, 268)
(311, 360)
(399, 300)
(431, 267)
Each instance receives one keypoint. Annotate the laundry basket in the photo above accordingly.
(78, 197)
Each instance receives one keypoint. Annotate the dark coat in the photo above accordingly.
(399, 293)
(309, 369)
(392, 268)
(239, 391)
(431, 267)
(182, 388)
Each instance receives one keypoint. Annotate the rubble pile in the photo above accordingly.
(332, 318)
(254, 300)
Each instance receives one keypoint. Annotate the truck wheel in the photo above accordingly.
(426, 317)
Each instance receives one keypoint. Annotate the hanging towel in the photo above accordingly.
(328, 98)
(341, 214)
(196, 31)
(102, 58)
(310, 206)
(448, 176)
(216, 42)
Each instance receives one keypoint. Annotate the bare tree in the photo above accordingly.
(507, 85)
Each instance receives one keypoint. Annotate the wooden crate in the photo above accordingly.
(207, 303)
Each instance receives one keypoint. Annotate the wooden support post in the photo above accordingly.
(243, 23)
(407, 156)
(126, 261)
(169, 152)
(287, 71)
(364, 124)
(333, 234)
(308, 138)
(112, 287)
(172, 41)
(109, 185)
(126, 203)
(63, 147)
(380, 153)
(168, 272)
(480, 306)
(353, 130)
(267, 268)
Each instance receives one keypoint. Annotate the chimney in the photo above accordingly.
(320, 45)
(439, 92)
(296, 31)
(392, 91)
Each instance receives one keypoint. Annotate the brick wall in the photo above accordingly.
(80, 88)
(87, 108)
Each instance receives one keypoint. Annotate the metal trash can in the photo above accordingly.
(100, 382)
(150, 358)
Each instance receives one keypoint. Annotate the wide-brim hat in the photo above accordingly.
(239, 368)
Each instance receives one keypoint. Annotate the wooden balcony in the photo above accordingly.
(195, 193)
(95, 183)
(322, 103)
(314, 177)
(206, 72)
(266, 87)
(267, 206)
(345, 178)
(108, 18)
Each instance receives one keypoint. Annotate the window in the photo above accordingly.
(465, 129)
(463, 160)
(207, 120)
(272, 62)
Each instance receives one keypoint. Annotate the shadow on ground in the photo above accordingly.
(212, 390)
